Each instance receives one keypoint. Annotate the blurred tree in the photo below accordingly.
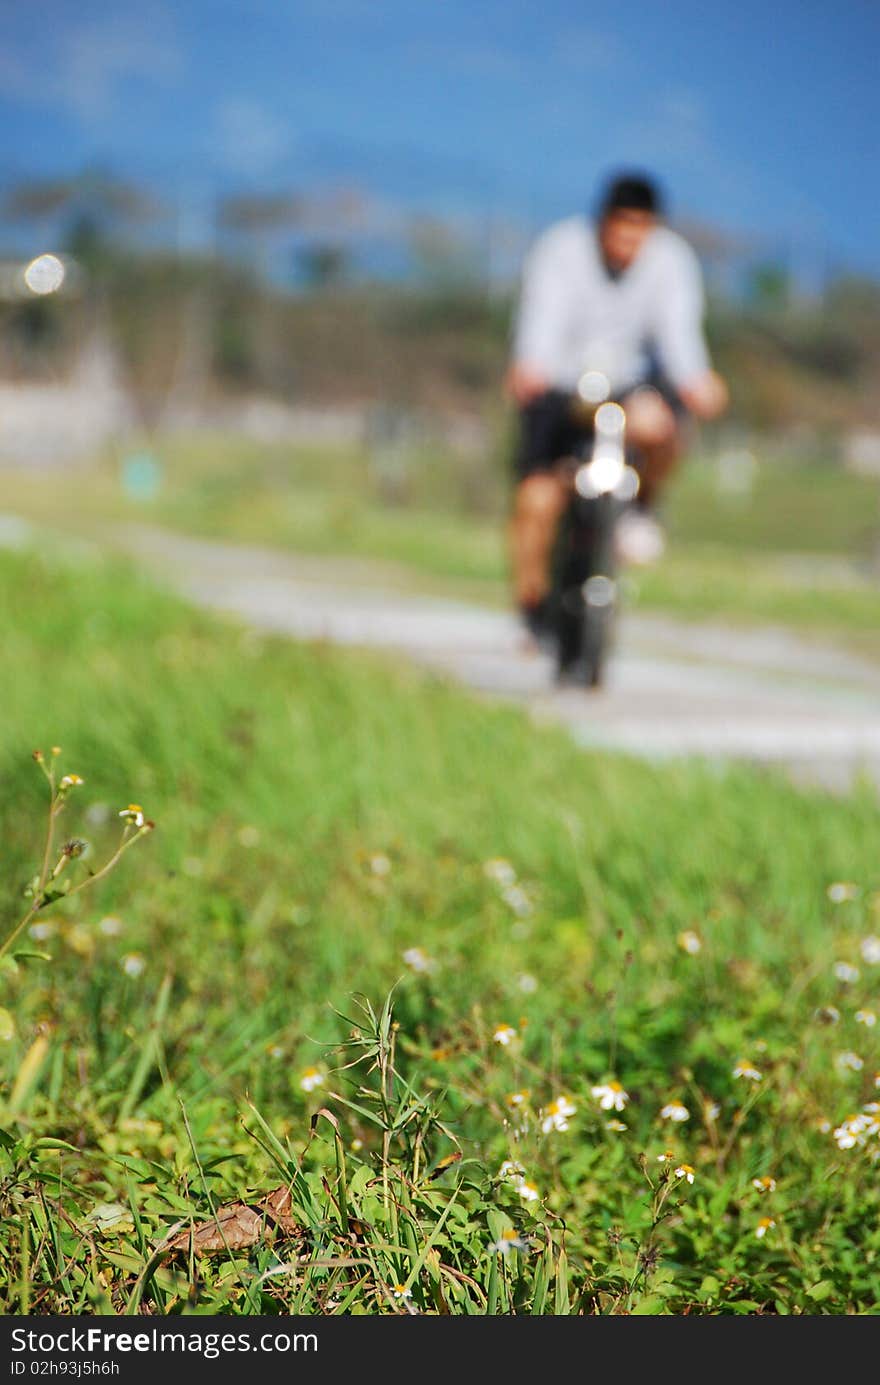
(769, 287)
(323, 264)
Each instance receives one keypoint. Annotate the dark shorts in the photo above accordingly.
(548, 431)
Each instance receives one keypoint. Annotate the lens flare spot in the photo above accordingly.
(610, 420)
(45, 274)
(599, 590)
(594, 386)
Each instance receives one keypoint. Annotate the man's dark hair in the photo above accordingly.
(630, 192)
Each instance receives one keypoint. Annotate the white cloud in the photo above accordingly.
(251, 138)
(83, 69)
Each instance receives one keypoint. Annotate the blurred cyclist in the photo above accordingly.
(623, 296)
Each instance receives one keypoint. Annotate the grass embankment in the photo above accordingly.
(329, 824)
(783, 552)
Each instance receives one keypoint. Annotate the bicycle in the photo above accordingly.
(603, 479)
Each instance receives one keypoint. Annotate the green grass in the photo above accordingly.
(798, 550)
(318, 815)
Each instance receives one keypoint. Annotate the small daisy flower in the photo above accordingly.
(511, 1168)
(110, 926)
(71, 781)
(610, 1096)
(866, 1017)
(685, 1171)
(400, 1292)
(711, 1110)
(527, 984)
(557, 1114)
(514, 1099)
(846, 973)
(823, 1125)
(356, 1145)
(499, 870)
(841, 891)
(133, 815)
(852, 1131)
(675, 1111)
(503, 1034)
(133, 964)
(615, 1125)
(848, 1062)
(527, 1191)
(43, 930)
(508, 1241)
(380, 864)
(311, 1079)
(275, 1051)
(870, 950)
(666, 1157)
(765, 1184)
(689, 942)
(764, 1225)
(746, 1068)
(418, 960)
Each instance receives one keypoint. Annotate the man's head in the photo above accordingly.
(628, 211)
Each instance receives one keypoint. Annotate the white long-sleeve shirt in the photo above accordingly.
(573, 316)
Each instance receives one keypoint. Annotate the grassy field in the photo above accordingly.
(799, 549)
(404, 1005)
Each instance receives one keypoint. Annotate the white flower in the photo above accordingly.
(852, 1131)
(511, 1168)
(275, 1051)
(508, 1241)
(848, 1062)
(665, 1157)
(133, 964)
(517, 899)
(711, 1110)
(527, 984)
(745, 1068)
(870, 950)
(401, 1293)
(527, 1191)
(503, 1034)
(685, 1171)
(418, 960)
(866, 1017)
(110, 926)
(515, 1099)
(846, 973)
(689, 941)
(674, 1111)
(380, 864)
(500, 871)
(557, 1114)
(71, 781)
(841, 891)
(610, 1096)
(41, 931)
(765, 1184)
(764, 1225)
(615, 1125)
(311, 1079)
(133, 814)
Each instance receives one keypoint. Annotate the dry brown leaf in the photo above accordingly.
(238, 1225)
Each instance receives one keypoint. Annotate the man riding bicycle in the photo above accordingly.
(624, 297)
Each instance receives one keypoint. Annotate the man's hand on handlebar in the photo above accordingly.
(705, 397)
(523, 384)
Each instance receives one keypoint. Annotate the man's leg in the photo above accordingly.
(652, 427)
(539, 501)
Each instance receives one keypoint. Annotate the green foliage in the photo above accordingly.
(359, 881)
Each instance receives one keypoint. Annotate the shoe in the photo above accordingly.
(538, 622)
(638, 539)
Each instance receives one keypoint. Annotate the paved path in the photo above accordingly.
(673, 688)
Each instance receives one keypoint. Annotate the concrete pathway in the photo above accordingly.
(674, 687)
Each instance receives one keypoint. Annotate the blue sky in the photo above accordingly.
(760, 117)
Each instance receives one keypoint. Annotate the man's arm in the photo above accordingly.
(679, 339)
(540, 320)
